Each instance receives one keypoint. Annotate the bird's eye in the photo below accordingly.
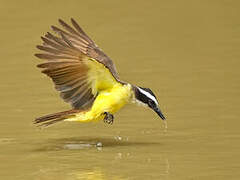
(151, 102)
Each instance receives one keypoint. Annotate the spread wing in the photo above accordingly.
(78, 68)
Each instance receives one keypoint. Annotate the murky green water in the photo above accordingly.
(186, 51)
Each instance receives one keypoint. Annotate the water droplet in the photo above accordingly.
(99, 144)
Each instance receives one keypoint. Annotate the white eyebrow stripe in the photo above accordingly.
(148, 95)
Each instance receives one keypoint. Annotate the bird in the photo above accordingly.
(86, 78)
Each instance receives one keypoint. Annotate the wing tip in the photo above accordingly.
(40, 65)
(38, 55)
(54, 28)
(60, 21)
(48, 34)
(73, 20)
(44, 39)
(38, 47)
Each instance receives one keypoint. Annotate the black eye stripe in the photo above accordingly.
(142, 97)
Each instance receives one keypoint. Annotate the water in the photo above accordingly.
(187, 52)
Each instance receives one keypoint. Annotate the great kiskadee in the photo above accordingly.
(86, 78)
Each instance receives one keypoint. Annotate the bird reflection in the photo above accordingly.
(95, 174)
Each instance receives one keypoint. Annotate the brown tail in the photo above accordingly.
(56, 117)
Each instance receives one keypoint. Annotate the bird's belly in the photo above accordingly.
(108, 101)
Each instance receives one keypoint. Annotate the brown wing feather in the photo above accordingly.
(81, 41)
(65, 55)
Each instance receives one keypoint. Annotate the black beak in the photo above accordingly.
(158, 111)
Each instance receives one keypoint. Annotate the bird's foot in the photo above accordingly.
(108, 118)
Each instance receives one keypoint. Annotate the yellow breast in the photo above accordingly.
(110, 100)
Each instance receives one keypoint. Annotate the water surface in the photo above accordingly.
(187, 52)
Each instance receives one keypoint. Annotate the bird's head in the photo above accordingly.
(146, 97)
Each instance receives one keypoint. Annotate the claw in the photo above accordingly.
(108, 118)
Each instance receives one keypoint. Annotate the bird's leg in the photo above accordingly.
(108, 118)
